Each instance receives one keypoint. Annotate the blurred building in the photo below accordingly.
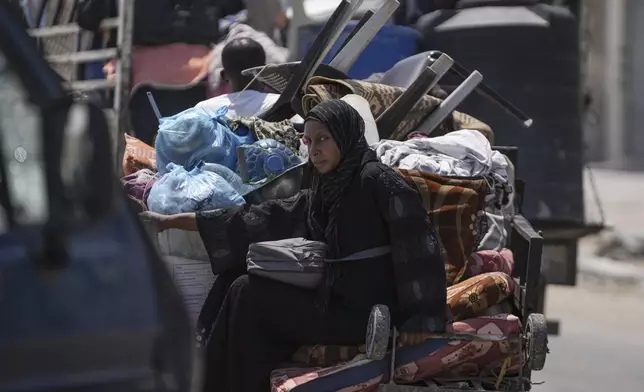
(613, 44)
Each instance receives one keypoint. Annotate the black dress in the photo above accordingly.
(263, 322)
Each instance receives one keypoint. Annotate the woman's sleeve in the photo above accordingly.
(226, 233)
(418, 264)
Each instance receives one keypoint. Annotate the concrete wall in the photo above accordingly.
(613, 42)
(633, 82)
(593, 33)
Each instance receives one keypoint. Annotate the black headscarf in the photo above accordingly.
(347, 129)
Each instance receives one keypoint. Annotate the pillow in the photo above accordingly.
(138, 156)
(455, 206)
(474, 296)
(484, 261)
(437, 358)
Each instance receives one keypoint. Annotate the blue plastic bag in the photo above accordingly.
(190, 191)
(231, 177)
(194, 135)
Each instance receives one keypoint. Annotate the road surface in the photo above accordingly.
(601, 345)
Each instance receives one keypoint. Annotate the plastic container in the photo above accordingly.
(530, 55)
(266, 159)
(390, 45)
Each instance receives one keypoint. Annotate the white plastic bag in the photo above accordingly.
(190, 191)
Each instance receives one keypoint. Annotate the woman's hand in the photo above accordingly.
(159, 221)
(183, 221)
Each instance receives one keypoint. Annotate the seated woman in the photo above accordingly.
(356, 203)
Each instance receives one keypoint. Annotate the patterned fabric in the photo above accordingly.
(485, 261)
(472, 297)
(347, 130)
(282, 131)
(436, 358)
(139, 184)
(469, 299)
(137, 156)
(381, 97)
(455, 207)
(365, 376)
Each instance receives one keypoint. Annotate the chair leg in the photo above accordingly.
(488, 93)
(321, 46)
(355, 30)
(450, 103)
(429, 76)
(350, 53)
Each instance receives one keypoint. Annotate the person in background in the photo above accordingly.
(247, 98)
(266, 16)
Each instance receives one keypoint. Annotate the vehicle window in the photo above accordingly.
(20, 133)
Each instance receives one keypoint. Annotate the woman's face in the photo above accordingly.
(323, 151)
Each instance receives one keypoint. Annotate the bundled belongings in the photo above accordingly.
(464, 153)
(455, 207)
(194, 142)
(188, 191)
(196, 135)
(231, 178)
(461, 154)
(138, 186)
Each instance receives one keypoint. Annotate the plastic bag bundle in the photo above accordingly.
(194, 135)
(180, 191)
(231, 177)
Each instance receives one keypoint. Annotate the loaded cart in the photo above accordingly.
(495, 350)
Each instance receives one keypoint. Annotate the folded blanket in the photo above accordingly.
(464, 153)
(380, 97)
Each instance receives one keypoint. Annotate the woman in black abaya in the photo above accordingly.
(356, 203)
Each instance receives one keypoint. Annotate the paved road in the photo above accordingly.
(601, 345)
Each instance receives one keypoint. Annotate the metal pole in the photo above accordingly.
(123, 78)
(614, 76)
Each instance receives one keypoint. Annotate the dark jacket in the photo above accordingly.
(378, 208)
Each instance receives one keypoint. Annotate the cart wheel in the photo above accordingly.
(378, 330)
(536, 334)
